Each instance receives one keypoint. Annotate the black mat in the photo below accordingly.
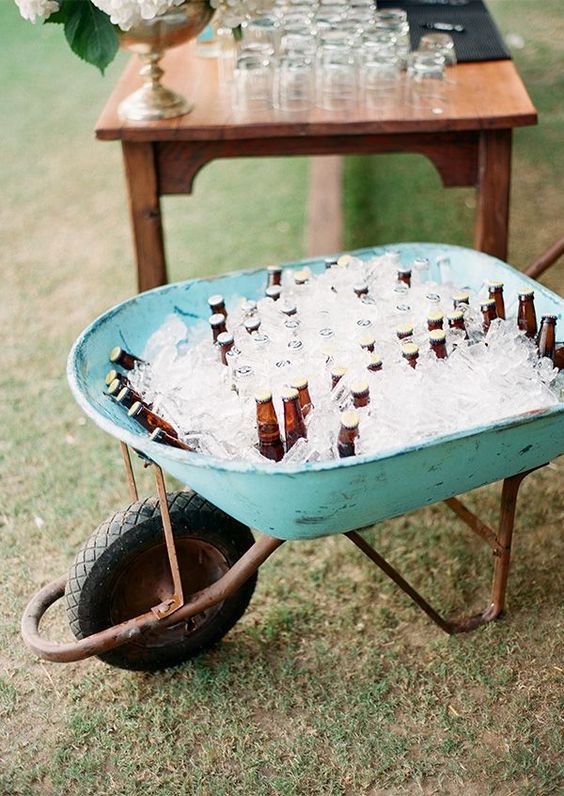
(481, 40)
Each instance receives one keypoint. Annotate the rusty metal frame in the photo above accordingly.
(249, 563)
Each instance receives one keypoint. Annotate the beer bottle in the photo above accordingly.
(495, 290)
(249, 308)
(437, 339)
(111, 375)
(456, 320)
(217, 305)
(252, 324)
(489, 313)
(118, 356)
(274, 275)
(374, 363)
(361, 289)
(289, 310)
(404, 275)
(526, 315)
(300, 383)
(410, 352)
(158, 435)
(330, 262)
(344, 260)
(546, 340)
(337, 373)
(404, 330)
(125, 396)
(461, 301)
(273, 292)
(294, 425)
(348, 434)
(367, 342)
(225, 342)
(435, 320)
(361, 394)
(559, 356)
(269, 442)
(217, 323)
(301, 277)
(149, 419)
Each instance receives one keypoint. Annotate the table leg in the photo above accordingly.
(145, 211)
(324, 222)
(494, 177)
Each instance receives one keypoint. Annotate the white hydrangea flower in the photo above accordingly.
(128, 13)
(234, 12)
(37, 9)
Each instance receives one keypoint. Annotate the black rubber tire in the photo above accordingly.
(125, 537)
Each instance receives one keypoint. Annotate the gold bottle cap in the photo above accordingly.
(374, 359)
(301, 277)
(360, 287)
(437, 336)
(456, 315)
(410, 350)
(110, 376)
(359, 387)
(115, 387)
(263, 395)
(115, 354)
(464, 297)
(216, 319)
(350, 419)
(134, 409)
(216, 300)
(225, 338)
(155, 434)
(344, 260)
(273, 291)
(252, 324)
(290, 394)
(404, 269)
(274, 269)
(338, 370)
(299, 382)
(404, 328)
(495, 285)
(435, 315)
(487, 303)
(121, 394)
(527, 292)
(366, 339)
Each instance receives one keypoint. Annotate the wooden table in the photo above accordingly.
(469, 144)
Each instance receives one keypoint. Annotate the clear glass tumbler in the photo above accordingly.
(428, 85)
(380, 77)
(294, 83)
(336, 77)
(253, 82)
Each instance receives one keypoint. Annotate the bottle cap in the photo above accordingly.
(404, 329)
(344, 260)
(435, 315)
(251, 324)
(374, 359)
(301, 277)
(464, 297)
(289, 309)
(134, 408)
(274, 269)
(115, 386)
(549, 318)
(488, 303)
(115, 354)
(360, 287)
(299, 382)
(404, 269)
(273, 291)
(155, 434)
(359, 387)
(527, 293)
(495, 285)
(350, 419)
(410, 350)
(263, 395)
(110, 376)
(338, 370)
(121, 394)
(290, 394)
(330, 262)
(437, 336)
(366, 339)
(216, 319)
(216, 300)
(225, 338)
(457, 315)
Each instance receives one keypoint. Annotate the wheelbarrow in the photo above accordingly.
(166, 577)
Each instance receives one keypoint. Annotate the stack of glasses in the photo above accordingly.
(335, 54)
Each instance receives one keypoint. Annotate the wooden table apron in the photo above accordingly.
(470, 144)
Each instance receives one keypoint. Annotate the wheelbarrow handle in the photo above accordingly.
(546, 260)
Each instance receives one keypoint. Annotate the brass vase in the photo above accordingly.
(149, 40)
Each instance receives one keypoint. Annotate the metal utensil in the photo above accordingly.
(443, 27)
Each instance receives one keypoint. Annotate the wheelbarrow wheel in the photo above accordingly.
(122, 571)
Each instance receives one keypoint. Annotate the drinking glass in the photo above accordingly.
(441, 43)
(294, 83)
(336, 83)
(380, 78)
(253, 82)
(262, 30)
(428, 87)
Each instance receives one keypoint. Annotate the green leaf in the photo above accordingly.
(58, 17)
(89, 32)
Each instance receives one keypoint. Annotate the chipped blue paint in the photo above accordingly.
(311, 500)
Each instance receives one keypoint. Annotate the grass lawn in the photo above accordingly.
(332, 683)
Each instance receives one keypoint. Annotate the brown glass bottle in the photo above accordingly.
(460, 301)
(489, 314)
(274, 276)
(546, 340)
(225, 342)
(361, 289)
(149, 419)
(114, 375)
(217, 323)
(374, 363)
(437, 341)
(435, 320)
(269, 442)
(273, 292)
(410, 352)
(294, 425)
(526, 315)
(301, 385)
(158, 435)
(559, 356)
(337, 373)
(111, 375)
(301, 277)
(252, 324)
(404, 331)
(456, 321)
(124, 359)
(289, 310)
(360, 394)
(217, 305)
(495, 290)
(348, 434)
(367, 342)
(404, 275)
(330, 262)
(126, 397)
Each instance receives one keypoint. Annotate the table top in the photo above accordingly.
(485, 95)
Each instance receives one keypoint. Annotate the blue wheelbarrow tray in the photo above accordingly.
(304, 501)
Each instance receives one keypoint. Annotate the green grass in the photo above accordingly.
(332, 683)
